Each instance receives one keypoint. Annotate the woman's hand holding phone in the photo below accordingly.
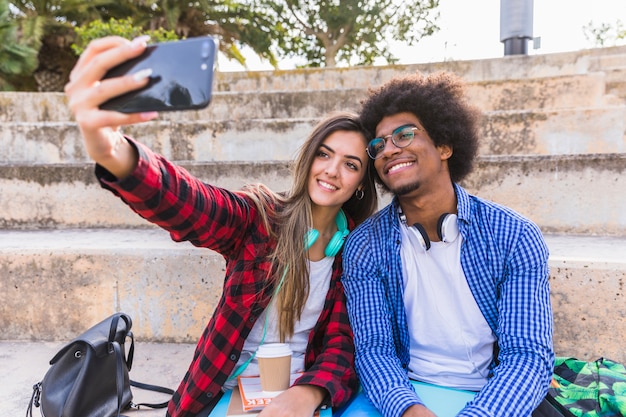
(87, 90)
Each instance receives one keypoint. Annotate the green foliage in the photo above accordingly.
(47, 26)
(318, 32)
(241, 24)
(349, 32)
(16, 58)
(232, 22)
(124, 28)
(605, 34)
(66, 13)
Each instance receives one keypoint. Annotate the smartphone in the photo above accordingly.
(182, 77)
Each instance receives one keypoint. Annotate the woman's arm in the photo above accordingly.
(170, 197)
(161, 192)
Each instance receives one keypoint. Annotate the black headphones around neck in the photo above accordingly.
(336, 242)
(447, 229)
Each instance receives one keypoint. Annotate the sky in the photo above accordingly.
(470, 29)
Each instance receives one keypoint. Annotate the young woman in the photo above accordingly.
(282, 251)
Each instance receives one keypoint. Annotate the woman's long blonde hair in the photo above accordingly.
(294, 219)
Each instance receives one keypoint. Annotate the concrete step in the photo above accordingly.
(579, 90)
(554, 132)
(614, 58)
(562, 194)
(616, 82)
(68, 196)
(544, 132)
(547, 93)
(170, 289)
(555, 191)
(252, 140)
(513, 67)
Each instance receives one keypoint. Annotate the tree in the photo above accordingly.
(47, 26)
(232, 22)
(352, 32)
(605, 34)
(124, 28)
(16, 59)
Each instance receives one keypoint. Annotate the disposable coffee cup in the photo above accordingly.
(274, 366)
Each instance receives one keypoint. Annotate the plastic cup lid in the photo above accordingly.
(273, 350)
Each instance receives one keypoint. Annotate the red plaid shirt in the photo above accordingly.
(230, 224)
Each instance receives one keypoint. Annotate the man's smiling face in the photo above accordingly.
(420, 164)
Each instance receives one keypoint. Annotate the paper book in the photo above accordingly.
(252, 395)
(248, 399)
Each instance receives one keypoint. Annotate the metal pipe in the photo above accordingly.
(516, 25)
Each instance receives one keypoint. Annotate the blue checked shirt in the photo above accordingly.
(505, 260)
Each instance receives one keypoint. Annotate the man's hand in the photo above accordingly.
(297, 401)
(418, 410)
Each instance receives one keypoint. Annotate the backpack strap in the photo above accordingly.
(151, 387)
(119, 374)
(119, 381)
(34, 399)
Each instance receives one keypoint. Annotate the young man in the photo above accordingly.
(443, 287)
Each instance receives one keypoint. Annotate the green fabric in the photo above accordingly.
(590, 389)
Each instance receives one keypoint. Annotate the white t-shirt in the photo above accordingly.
(320, 274)
(451, 343)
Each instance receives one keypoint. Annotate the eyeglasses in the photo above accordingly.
(401, 137)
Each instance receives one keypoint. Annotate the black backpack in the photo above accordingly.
(89, 377)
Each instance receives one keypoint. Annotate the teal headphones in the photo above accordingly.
(336, 242)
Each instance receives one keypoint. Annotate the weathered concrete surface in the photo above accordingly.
(171, 289)
(503, 68)
(588, 285)
(557, 192)
(252, 140)
(68, 196)
(59, 280)
(559, 92)
(579, 90)
(542, 132)
(554, 132)
(616, 81)
(579, 194)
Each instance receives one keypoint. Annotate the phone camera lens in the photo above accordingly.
(205, 49)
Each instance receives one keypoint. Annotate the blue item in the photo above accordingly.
(443, 401)
(222, 405)
(336, 242)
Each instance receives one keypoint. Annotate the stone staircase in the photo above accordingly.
(554, 149)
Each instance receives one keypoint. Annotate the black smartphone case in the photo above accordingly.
(182, 77)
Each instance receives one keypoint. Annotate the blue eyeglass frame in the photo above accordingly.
(393, 137)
